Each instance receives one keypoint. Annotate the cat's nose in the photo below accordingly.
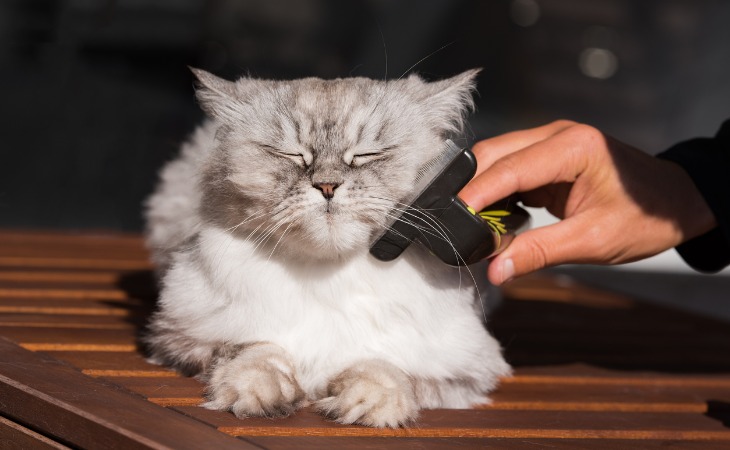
(327, 188)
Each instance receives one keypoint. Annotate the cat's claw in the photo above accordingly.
(258, 382)
(374, 393)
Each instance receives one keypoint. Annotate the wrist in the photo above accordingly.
(695, 217)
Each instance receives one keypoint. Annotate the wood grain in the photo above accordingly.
(87, 413)
(61, 294)
(16, 436)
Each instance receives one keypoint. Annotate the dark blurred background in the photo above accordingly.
(96, 95)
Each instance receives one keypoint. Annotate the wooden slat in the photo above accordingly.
(74, 263)
(87, 360)
(404, 443)
(160, 387)
(88, 413)
(66, 310)
(91, 307)
(39, 238)
(64, 294)
(131, 373)
(16, 436)
(71, 336)
(50, 347)
(601, 394)
(92, 326)
(58, 277)
(54, 244)
(63, 251)
(648, 380)
(486, 424)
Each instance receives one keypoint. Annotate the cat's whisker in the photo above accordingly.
(425, 229)
(414, 212)
(436, 229)
(397, 214)
(253, 216)
(253, 232)
(379, 101)
(231, 232)
(267, 233)
(385, 52)
(193, 234)
(286, 230)
(425, 58)
(271, 230)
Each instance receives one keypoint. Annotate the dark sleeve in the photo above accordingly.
(707, 161)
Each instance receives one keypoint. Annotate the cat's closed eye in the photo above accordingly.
(359, 159)
(299, 158)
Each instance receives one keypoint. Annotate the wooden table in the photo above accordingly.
(593, 369)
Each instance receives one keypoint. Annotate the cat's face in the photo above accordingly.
(313, 168)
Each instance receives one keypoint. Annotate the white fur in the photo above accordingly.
(414, 312)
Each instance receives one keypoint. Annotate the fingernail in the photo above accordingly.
(508, 270)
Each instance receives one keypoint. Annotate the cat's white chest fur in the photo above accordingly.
(329, 315)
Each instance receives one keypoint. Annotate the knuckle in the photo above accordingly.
(538, 254)
(587, 143)
(508, 170)
(594, 238)
(481, 148)
(601, 244)
(585, 133)
(562, 124)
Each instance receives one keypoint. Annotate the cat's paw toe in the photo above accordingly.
(380, 397)
(250, 386)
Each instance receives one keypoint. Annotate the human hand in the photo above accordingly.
(617, 203)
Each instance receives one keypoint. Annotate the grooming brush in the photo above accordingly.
(439, 220)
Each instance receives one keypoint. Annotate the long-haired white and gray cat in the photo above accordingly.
(261, 229)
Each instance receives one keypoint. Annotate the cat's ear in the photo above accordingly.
(217, 97)
(448, 101)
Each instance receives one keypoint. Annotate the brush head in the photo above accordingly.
(439, 220)
(432, 169)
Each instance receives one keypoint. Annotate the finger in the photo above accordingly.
(571, 240)
(490, 150)
(560, 158)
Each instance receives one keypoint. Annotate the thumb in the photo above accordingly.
(563, 242)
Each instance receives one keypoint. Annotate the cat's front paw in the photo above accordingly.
(257, 381)
(373, 393)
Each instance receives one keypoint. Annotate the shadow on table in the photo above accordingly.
(621, 335)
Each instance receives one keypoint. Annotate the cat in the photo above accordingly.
(260, 232)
